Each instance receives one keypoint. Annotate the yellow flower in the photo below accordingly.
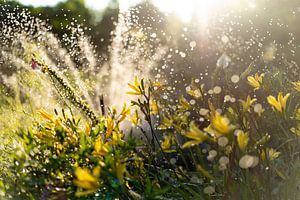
(135, 118)
(271, 154)
(153, 107)
(117, 138)
(167, 143)
(166, 123)
(100, 148)
(110, 124)
(280, 103)
(87, 129)
(297, 85)
(45, 135)
(246, 104)
(194, 91)
(184, 104)
(113, 110)
(211, 131)
(243, 139)
(296, 130)
(195, 134)
(59, 124)
(156, 85)
(86, 180)
(58, 147)
(124, 113)
(136, 87)
(221, 124)
(256, 81)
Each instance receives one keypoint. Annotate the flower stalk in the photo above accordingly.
(65, 90)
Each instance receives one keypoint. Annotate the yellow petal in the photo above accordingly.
(283, 100)
(195, 133)
(134, 119)
(190, 143)
(273, 102)
(136, 82)
(109, 126)
(153, 107)
(243, 139)
(211, 131)
(46, 115)
(85, 180)
(297, 86)
(221, 124)
(136, 89)
(97, 171)
(84, 175)
(167, 143)
(246, 104)
(133, 93)
(273, 154)
(184, 103)
(253, 82)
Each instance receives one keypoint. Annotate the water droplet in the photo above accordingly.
(193, 44)
(222, 141)
(173, 161)
(209, 190)
(235, 78)
(153, 35)
(223, 61)
(217, 89)
(224, 39)
(182, 54)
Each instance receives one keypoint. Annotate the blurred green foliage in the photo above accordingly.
(97, 24)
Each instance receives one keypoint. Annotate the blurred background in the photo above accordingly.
(170, 41)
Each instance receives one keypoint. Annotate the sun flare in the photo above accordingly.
(202, 9)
